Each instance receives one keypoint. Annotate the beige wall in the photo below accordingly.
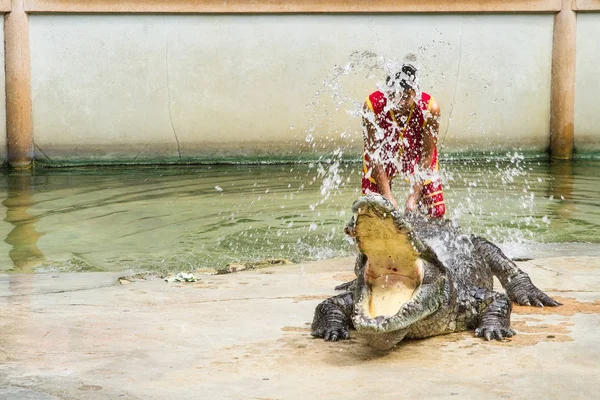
(587, 84)
(148, 87)
(3, 157)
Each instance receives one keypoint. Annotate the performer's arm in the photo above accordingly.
(373, 146)
(430, 137)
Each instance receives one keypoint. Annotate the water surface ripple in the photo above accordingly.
(184, 218)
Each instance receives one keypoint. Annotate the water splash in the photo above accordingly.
(499, 202)
(518, 214)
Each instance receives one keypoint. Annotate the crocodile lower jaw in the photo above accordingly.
(388, 292)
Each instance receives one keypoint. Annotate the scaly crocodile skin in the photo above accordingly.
(456, 293)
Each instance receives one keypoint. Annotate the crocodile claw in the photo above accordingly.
(494, 333)
(523, 292)
(331, 334)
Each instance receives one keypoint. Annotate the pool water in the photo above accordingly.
(185, 218)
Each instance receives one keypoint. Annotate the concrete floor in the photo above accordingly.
(246, 336)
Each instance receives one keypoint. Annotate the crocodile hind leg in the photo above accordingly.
(332, 318)
(517, 283)
(486, 311)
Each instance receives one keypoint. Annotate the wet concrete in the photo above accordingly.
(246, 335)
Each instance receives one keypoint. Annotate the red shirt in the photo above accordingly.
(398, 146)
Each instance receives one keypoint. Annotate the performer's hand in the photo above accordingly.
(393, 201)
(411, 203)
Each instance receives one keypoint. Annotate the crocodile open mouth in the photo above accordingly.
(394, 270)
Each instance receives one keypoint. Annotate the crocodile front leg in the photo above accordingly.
(359, 268)
(517, 283)
(488, 312)
(332, 318)
(349, 286)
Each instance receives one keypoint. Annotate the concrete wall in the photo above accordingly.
(155, 87)
(3, 156)
(587, 84)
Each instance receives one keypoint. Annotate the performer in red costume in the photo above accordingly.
(401, 126)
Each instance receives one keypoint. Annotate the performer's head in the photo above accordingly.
(403, 85)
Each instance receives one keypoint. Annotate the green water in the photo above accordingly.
(184, 218)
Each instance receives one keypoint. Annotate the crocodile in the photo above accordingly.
(418, 277)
